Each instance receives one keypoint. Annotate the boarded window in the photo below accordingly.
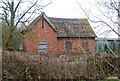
(85, 46)
(68, 46)
(42, 46)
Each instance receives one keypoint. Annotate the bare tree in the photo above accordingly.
(19, 12)
(107, 17)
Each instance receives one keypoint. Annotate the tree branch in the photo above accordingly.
(99, 21)
(24, 14)
(17, 5)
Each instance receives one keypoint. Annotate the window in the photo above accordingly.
(85, 46)
(68, 46)
(42, 46)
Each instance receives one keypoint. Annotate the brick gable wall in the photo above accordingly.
(36, 34)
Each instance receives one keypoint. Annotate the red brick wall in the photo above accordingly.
(55, 45)
(77, 44)
(36, 34)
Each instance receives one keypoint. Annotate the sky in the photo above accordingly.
(63, 9)
(71, 9)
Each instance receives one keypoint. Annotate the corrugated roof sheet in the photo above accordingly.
(72, 27)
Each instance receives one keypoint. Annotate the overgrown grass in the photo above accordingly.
(17, 65)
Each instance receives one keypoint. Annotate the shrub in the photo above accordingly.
(41, 66)
(19, 65)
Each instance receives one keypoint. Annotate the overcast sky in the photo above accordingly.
(71, 9)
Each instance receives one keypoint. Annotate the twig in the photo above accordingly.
(109, 64)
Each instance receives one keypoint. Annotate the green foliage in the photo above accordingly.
(5, 33)
(15, 41)
(112, 77)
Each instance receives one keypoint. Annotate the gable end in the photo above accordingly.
(45, 17)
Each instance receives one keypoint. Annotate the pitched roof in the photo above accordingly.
(66, 27)
(45, 17)
(72, 27)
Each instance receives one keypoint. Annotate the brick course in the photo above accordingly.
(55, 45)
(77, 44)
(36, 34)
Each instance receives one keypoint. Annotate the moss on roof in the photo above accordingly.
(69, 27)
(73, 27)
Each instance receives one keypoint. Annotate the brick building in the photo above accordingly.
(59, 35)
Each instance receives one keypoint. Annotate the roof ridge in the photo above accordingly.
(73, 26)
(68, 18)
